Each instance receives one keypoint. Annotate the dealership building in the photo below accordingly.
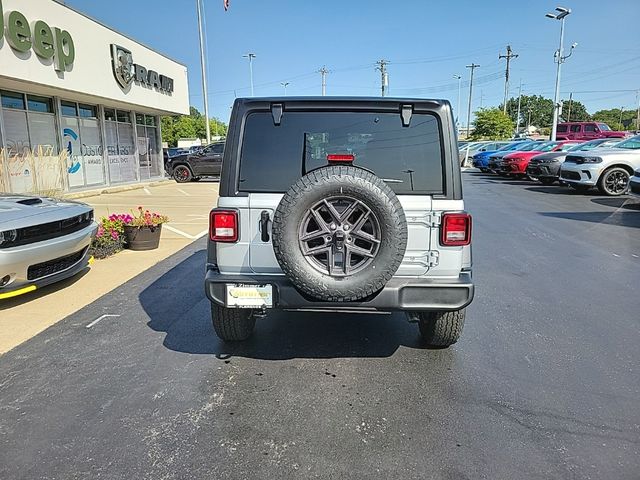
(80, 102)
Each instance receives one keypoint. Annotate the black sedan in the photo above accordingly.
(206, 162)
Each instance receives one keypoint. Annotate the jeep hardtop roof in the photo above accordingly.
(280, 105)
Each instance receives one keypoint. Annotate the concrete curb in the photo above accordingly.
(116, 189)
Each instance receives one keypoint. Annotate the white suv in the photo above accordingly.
(340, 204)
(609, 169)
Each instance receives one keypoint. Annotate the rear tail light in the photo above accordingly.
(455, 230)
(340, 158)
(223, 225)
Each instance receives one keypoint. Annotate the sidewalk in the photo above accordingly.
(187, 206)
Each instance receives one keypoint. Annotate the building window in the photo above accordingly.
(39, 104)
(68, 109)
(87, 111)
(110, 114)
(12, 100)
(121, 147)
(83, 142)
(33, 158)
(123, 116)
(149, 147)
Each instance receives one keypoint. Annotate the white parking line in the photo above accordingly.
(147, 191)
(615, 255)
(184, 234)
(100, 318)
(183, 192)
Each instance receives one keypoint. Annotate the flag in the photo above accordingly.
(225, 4)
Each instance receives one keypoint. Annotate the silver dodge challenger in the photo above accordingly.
(42, 241)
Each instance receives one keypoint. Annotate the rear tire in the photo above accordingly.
(232, 324)
(441, 329)
(182, 174)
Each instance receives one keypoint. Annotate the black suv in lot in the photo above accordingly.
(340, 205)
(206, 162)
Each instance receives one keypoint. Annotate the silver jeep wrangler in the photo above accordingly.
(340, 204)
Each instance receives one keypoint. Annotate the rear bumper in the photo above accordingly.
(399, 294)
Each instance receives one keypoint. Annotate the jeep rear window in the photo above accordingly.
(562, 128)
(409, 158)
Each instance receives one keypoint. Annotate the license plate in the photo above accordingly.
(249, 296)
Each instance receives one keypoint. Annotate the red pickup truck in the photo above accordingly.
(586, 131)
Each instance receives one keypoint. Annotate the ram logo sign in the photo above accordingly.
(126, 72)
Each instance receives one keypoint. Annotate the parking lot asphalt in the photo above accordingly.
(544, 383)
(186, 205)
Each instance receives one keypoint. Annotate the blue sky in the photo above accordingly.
(426, 43)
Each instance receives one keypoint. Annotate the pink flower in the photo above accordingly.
(114, 235)
(100, 231)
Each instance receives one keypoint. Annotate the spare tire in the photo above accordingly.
(339, 234)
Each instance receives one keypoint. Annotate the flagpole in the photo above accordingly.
(204, 75)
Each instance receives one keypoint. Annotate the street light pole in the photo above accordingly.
(204, 75)
(250, 56)
(284, 84)
(459, 78)
(559, 59)
(518, 114)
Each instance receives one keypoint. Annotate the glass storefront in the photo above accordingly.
(83, 141)
(149, 146)
(31, 152)
(80, 146)
(121, 150)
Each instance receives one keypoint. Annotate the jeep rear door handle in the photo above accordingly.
(264, 226)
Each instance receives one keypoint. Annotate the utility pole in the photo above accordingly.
(473, 66)
(638, 114)
(384, 76)
(323, 71)
(570, 102)
(250, 56)
(204, 75)
(518, 114)
(459, 78)
(529, 110)
(284, 84)
(621, 110)
(481, 97)
(509, 55)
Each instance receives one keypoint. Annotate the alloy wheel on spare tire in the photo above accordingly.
(339, 233)
(182, 174)
(614, 182)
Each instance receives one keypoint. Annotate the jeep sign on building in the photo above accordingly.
(80, 103)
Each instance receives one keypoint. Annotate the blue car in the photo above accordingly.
(481, 159)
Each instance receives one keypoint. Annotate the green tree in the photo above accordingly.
(492, 124)
(612, 118)
(536, 108)
(189, 126)
(574, 111)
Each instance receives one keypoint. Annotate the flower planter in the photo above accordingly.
(142, 238)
